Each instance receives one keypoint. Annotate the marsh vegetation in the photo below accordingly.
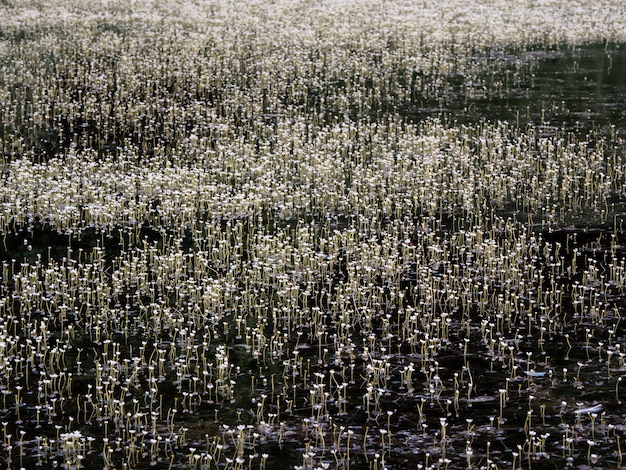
(310, 235)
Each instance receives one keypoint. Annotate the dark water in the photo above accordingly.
(575, 88)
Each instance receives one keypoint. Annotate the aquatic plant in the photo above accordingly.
(235, 239)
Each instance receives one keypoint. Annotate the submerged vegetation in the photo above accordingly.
(302, 234)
